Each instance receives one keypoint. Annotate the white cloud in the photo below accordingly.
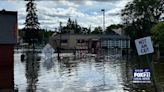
(122, 3)
(87, 13)
(113, 11)
(89, 3)
(53, 16)
(68, 3)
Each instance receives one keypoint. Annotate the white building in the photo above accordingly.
(115, 41)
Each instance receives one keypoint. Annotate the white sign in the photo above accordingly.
(144, 46)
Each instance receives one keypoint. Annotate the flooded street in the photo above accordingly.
(110, 73)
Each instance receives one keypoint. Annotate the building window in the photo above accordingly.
(80, 41)
(110, 44)
(64, 41)
(117, 43)
(124, 43)
(103, 43)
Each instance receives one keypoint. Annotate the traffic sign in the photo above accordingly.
(144, 45)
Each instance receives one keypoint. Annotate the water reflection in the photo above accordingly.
(48, 63)
(32, 70)
(108, 72)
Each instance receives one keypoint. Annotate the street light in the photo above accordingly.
(103, 11)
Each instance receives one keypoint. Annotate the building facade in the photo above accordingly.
(115, 41)
(8, 38)
(89, 41)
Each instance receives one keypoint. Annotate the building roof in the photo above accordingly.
(8, 12)
(104, 37)
(90, 36)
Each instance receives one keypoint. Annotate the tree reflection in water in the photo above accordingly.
(109, 72)
(32, 69)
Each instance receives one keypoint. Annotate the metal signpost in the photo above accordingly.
(144, 47)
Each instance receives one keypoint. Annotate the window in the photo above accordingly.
(103, 43)
(110, 43)
(117, 43)
(64, 41)
(80, 41)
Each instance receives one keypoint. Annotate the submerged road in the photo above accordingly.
(109, 73)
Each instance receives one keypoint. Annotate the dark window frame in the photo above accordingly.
(64, 41)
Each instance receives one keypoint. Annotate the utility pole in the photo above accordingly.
(103, 11)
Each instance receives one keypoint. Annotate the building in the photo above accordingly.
(8, 38)
(72, 41)
(89, 41)
(115, 41)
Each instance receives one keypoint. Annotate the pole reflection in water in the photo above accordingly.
(67, 67)
(32, 69)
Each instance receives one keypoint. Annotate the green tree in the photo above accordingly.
(142, 15)
(43, 34)
(97, 30)
(71, 26)
(158, 34)
(65, 30)
(32, 27)
(89, 30)
(75, 27)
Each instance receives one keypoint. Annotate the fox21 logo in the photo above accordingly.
(141, 75)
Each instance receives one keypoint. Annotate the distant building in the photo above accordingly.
(89, 41)
(71, 41)
(115, 41)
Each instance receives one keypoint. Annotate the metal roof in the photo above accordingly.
(105, 37)
(90, 36)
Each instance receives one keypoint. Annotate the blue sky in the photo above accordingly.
(86, 12)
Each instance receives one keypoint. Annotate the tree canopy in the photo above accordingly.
(142, 15)
(31, 17)
(74, 28)
(43, 34)
(158, 33)
(32, 25)
(97, 30)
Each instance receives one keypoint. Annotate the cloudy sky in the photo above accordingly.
(86, 12)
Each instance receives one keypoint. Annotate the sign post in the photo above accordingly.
(144, 47)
